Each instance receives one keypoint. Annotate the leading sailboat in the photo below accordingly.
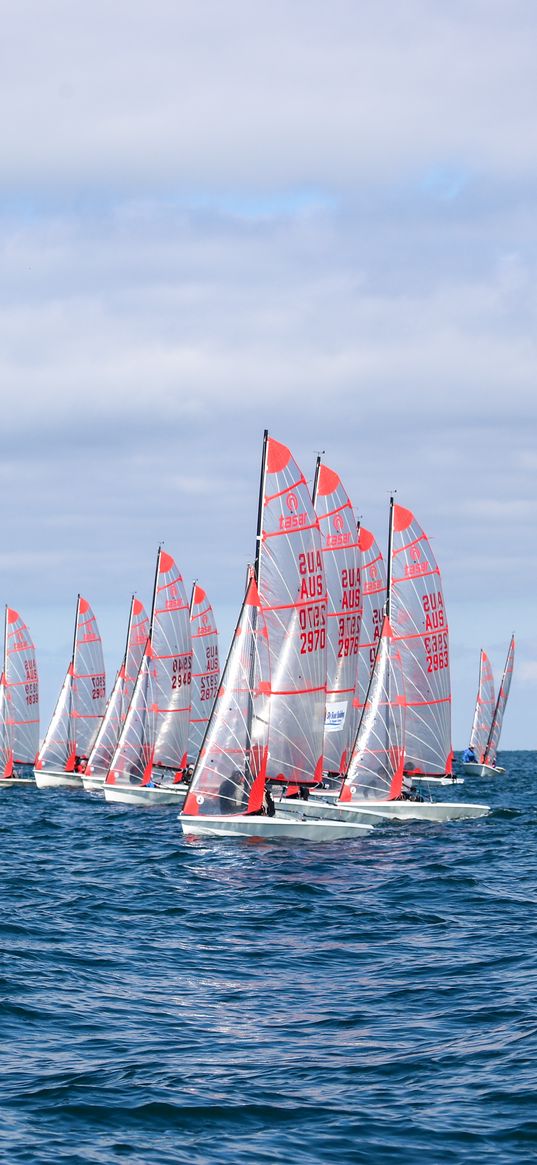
(65, 750)
(488, 717)
(19, 704)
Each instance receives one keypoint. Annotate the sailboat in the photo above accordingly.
(488, 717)
(341, 562)
(19, 704)
(267, 723)
(63, 755)
(151, 753)
(100, 757)
(205, 668)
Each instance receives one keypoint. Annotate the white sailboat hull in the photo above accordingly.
(93, 784)
(438, 780)
(145, 795)
(9, 782)
(49, 779)
(273, 827)
(476, 770)
(389, 810)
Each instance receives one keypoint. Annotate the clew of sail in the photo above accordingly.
(229, 777)
(376, 765)
(292, 592)
(21, 692)
(484, 707)
(101, 755)
(79, 710)
(341, 561)
(419, 621)
(205, 668)
(503, 694)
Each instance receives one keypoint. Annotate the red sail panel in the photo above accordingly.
(501, 703)
(101, 755)
(373, 575)
(484, 707)
(419, 621)
(171, 666)
(292, 592)
(341, 561)
(22, 689)
(205, 668)
(229, 777)
(376, 766)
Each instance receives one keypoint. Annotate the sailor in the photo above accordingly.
(469, 757)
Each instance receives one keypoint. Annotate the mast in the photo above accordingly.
(316, 480)
(72, 742)
(4, 672)
(260, 506)
(389, 565)
(125, 655)
(191, 606)
(154, 600)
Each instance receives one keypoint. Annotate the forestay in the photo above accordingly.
(496, 727)
(229, 777)
(80, 706)
(484, 707)
(21, 690)
(292, 593)
(418, 617)
(376, 765)
(373, 578)
(205, 668)
(107, 738)
(341, 561)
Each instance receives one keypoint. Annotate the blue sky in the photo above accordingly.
(314, 218)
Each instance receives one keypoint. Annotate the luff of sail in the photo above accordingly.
(484, 707)
(501, 703)
(419, 621)
(376, 764)
(229, 777)
(101, 755)
(373, 578)
(292, 593)
(80, 707)
(21, 693)
(205, 668)
(341, 561)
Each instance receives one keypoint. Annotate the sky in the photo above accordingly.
(316, 218)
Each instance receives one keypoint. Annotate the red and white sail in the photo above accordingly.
(19, 699)
(155, 732)
(419, 621)
(292, 592)
(373, 577)
(503, 694)
(81, 702)
(205, 668)
(376, 765)
(229, 777)
(101, 755)
(484, 707)
(341, 561)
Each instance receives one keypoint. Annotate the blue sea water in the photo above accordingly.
(166, 1000)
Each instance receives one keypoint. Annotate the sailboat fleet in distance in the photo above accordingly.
(333, 708)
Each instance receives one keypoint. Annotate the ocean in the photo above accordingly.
(168, 1001)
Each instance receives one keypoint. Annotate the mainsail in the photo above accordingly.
(155, 731)
(373, 575)
(205, 668)
(376, 765)
(418, 617)
(230, 772)
(292, 592)
(80, 705)
(100, 757)
(484, 707)
(19, 697)
(341, 560)
(497, 720)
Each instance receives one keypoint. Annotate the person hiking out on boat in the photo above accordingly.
(469, 757)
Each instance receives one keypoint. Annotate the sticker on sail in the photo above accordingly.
(335, 716)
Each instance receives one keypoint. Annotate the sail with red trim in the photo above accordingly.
(80, 707)
(373, 577)
(341, 560)
(419, 621)
(205, 668)
(484, 707)
(101, 755)
(292, 592)
(229, 777)
(155, 733)
(501, 703)
(6, 732)
(20, 714)
(376, 765)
